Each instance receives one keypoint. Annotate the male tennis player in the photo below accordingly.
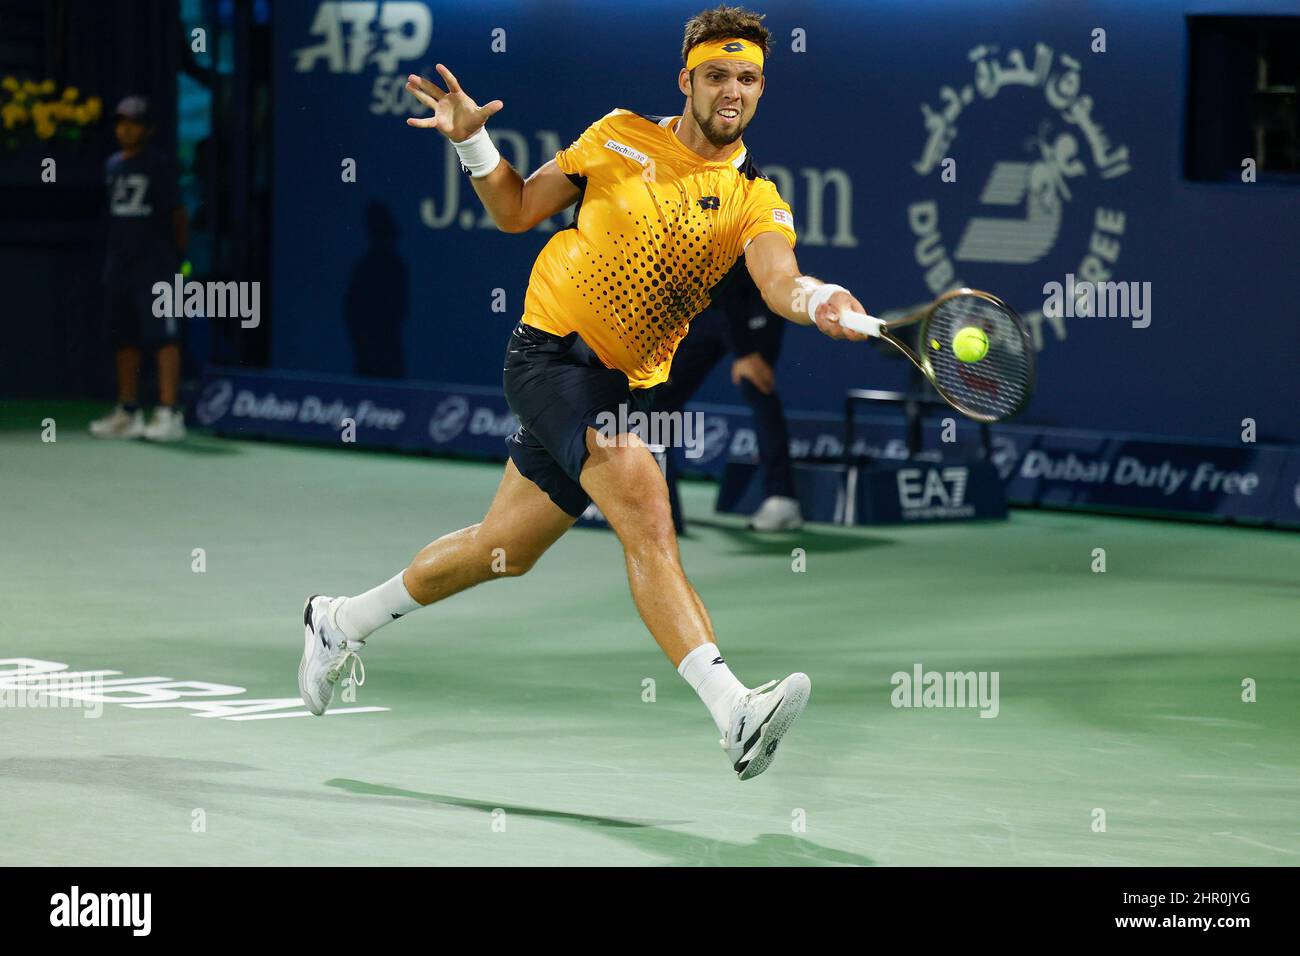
(665, 208)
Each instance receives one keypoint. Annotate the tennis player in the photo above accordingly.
(664, 208)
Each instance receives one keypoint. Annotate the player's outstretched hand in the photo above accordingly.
(827, 318)
(455, 115)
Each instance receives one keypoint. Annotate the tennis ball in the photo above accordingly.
(970, 344)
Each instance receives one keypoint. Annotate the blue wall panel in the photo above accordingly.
(843, 128)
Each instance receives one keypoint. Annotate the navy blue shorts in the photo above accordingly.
(129, 301)
(557, 387)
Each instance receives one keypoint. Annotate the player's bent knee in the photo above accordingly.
(651, 544)
(646, 529)
(501, 559)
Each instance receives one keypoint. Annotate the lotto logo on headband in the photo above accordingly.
(729, 49)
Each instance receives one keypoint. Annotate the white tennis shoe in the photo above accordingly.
(759, 719)
(326, 653)
(777, 514)
(167, 425)
(119, 423)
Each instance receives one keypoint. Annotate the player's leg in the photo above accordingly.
(535, 503)
(126, 420)
(625, 482)
(163, 335)
(521, 523)
(127, 362)
(169, 375)
(627, 485)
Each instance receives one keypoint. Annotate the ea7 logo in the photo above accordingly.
(355, 34)
(932, 487)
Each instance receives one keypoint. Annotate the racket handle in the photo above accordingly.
(861, 322)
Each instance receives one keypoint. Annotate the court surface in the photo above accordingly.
(518, 729)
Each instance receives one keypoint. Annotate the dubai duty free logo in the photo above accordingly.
(1033, 190)
(449, 418)
(215, 401)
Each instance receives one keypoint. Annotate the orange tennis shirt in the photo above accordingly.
(656, 228)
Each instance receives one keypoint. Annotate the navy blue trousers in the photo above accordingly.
(710, 339)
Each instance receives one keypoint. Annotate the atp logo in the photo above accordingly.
(354, 34)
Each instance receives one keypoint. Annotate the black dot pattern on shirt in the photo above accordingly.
(655, 279)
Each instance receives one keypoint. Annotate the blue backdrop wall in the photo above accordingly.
(1079, 154)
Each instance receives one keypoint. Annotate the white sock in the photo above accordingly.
(707, 672)
(360, 616)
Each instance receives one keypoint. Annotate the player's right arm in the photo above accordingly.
(515, 204)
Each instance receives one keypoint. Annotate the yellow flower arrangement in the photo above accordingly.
(44, 110)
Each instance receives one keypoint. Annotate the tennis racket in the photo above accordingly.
(991, 389)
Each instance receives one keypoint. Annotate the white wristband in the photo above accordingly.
(477, 154)
(820, 295)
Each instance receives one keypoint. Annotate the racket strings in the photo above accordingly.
(994, 387)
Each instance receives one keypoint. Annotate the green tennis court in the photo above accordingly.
(520, 724)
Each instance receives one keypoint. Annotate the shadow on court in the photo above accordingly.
(758, 544)
(648, 836)
(195, 446)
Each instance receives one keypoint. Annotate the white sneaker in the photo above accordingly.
(759, 719)
(119, 423)
(168, 424)
(777, 514)
(326, 652)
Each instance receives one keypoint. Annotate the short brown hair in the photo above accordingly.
(723, 22)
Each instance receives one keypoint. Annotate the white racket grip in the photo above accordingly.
(862, 323)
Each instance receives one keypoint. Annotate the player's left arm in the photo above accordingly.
(787, 292)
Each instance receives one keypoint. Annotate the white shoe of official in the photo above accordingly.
(777, 513)
(167, 424)
(119, 423)
(759, 719)
(326, 653)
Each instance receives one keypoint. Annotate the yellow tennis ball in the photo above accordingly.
(970, 344)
